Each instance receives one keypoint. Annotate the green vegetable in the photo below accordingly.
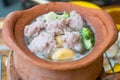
(53, 16)
(87, 38)
(65, 15)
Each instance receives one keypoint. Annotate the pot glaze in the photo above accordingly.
(30, 67)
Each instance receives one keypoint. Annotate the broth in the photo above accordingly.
(57, 36)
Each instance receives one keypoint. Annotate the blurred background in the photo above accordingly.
(6, 6)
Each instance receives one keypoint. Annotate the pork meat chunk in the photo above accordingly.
(57, 26)
(34, 28)
(43, 43)
(72, 40)
(76, 21)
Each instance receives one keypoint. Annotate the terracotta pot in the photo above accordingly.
(30, 67)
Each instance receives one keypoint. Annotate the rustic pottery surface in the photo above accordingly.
(67, 70)
(13, 75)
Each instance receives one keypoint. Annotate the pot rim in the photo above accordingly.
(109, 32)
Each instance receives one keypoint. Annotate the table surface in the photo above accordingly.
(3, 63)
(3, 52)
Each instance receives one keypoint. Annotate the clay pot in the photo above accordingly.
(30, 67)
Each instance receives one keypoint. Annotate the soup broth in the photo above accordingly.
(59, 36)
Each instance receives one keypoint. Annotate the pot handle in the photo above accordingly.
(8, 28)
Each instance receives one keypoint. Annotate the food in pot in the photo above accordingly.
(63, 54)
(59, 36)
